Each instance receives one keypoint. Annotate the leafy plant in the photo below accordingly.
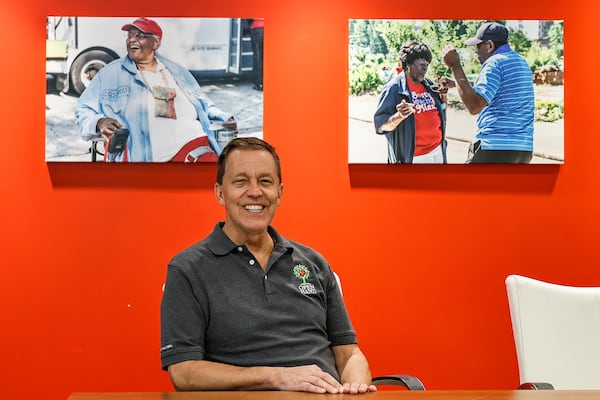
(384, 38)
(519, 42)
(365, 74)
(549, 111)
(377, 43)
(538, 56)
(556, 33)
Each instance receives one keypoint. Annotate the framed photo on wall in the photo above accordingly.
(456, 91)
(137, 89)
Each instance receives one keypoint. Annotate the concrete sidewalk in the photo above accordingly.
(366, 147)
(64, 143)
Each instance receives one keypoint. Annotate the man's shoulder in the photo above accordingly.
(509, 63)
(518, 58)
(191, 254)
(213, 245)
(298, 246)
(506, 56)
(496, 64)
(305, 251)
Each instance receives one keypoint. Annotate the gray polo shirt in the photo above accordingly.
(219, 305)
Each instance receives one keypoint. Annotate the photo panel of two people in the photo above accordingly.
(407, 101)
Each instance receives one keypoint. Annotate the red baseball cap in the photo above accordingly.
(145, 25)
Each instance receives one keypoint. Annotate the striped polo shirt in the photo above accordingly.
(506, 83)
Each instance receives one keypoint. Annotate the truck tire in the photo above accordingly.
(78, 79)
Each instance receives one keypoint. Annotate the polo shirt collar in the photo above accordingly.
(503, 49)
(220, 244)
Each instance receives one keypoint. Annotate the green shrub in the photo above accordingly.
(549, 111)
(538, 57)
(364, 74)
(364, 79)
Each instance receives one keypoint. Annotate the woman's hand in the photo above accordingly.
(230, 124)
(107, 126)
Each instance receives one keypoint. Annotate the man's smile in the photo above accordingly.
(254, 207)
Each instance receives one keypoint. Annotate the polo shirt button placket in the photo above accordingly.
(267, 287)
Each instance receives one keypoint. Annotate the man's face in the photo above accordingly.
(140, 46)
(485, 50)
(417, 70)
(250, 192)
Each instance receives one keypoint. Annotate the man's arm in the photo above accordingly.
(353, 368)
(208, 375)
(471, 99)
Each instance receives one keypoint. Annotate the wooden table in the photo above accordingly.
(381, 395)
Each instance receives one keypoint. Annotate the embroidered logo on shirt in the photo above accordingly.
(114, 94)
(301, 272)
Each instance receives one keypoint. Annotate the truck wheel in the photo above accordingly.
(78, 79)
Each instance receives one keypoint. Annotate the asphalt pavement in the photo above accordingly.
(366, 147)
(63, 142)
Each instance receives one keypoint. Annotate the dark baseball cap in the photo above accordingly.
(489, 31)
(145, 25)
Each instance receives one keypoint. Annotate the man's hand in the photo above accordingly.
(107, 126)
(450, 56)
(471, 99)
(354, 369)
(358, 388)
(307, 378)
(446, 83)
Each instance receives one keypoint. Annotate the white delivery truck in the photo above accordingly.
(206, 46)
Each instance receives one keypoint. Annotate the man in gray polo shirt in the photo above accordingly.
(247, 309)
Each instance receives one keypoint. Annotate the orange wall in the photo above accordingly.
(422, 250)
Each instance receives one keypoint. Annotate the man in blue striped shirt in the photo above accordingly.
(502, 95)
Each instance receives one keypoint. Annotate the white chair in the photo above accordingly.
(557, 333)
(339, 282)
